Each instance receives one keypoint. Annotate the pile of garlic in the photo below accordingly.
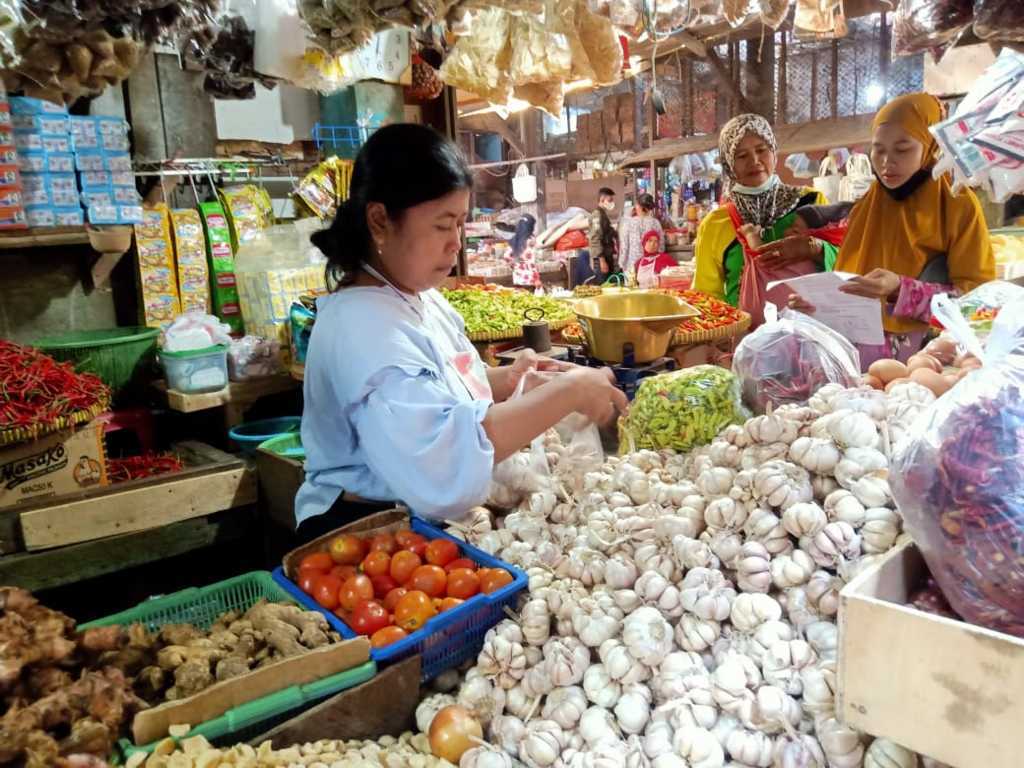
(681, 609)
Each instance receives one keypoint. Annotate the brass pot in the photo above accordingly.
(645, 319)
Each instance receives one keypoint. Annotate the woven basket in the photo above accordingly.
(712, 334)
(555, 325)
(14, 435)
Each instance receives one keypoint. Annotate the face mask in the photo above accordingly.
(607, 205)
(770, 184)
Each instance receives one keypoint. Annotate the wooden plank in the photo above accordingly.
(152, 724)
(237, 392)
(38, 571)
(384, 705)
(42, 237)
(137, 509)
(943, 688)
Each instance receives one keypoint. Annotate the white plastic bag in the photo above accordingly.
(800, 165)
(958, 477)
(524, 185)
(195, 330)
(827, 180)
(858, 179)
(522, 473)
(791, 357)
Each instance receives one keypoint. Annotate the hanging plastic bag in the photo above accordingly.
(819, 19)
(929, 25)
(828, 178)
(800, 165)
(577, 452)
(681, 410)
(858, 179)
(524, 185)
(791, 357)
(958, 478)
(522, 473)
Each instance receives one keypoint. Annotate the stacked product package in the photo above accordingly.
(161, 302)
(12, 207)
(105, 170)
(49, 189)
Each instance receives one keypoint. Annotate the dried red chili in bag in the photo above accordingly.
(929, 25)
(959, 478)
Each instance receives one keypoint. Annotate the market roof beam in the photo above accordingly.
(814, 136)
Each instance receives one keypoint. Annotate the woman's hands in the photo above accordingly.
(800, 304)
(592, 391)
(539, 370)
(791, 249)
(877, 284)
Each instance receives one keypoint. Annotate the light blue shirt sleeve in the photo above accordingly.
(430, 447)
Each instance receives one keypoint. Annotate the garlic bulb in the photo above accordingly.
(774, 711)
(506, 732)
(840, 743)
(647, 636)
(814, 454)
(696, 634)
(798, 752)
(880, 530)
(753, 568)
(749, 611)
(520, 701)
(616, 658)
(853, 429)
(872, 491)
(818, 685)
(733, 682)
(793, 569)
(764, 527)
(823, 485)
(692, 553)
(835, 542)
(592, 625)
(772, 428)
(565, 706)
(535, 618)
(679, 672)
(707, 593)
(485, 757)
(596, 725)
(784, 662)
(482, 698)
(620, 572)
(699, 748)
(651, 557)
(749, 747)
(566, 659)
(633, 709)
(724, 454)
(502, 658)
(843, 506)
(781, 485)
(883, 753)
(756, 455)
(725, 514)
(804, 519)
(658, 738)
(725, 545)
(599, 687)
(542, 743)
(823, 591)
(823, 637)
(737, 435)
(715, 481)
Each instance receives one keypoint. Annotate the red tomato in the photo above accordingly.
(383, 542)
(442, 551)
(413, 611)
(317, 561)
(403, 563)
(376, 563)
(354, 591)
(448, 603)
(382, 584)
(494, 579)
(463, 583)
(307, 580)
(387, 636)
(392, 598)
(415, 543)
(430, 579)
(325, 591)
(368, 617)
(344, 615)
(343, 572)
(404, 537)
(462, 562)
(347, 549)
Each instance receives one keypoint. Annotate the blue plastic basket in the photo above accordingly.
(448, 639)
(250, 435)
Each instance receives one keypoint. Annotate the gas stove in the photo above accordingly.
(628, 373)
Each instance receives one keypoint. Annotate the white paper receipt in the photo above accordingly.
(855, 317)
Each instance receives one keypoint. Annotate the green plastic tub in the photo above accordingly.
(201, 606)
(288, 445)
(119, 356)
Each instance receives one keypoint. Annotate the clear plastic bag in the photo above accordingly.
(681, 410)
(253, 357)
(999, 20)
(929, 25)
(479, 62)
(791, 357)
(959, 478)
(522, 473)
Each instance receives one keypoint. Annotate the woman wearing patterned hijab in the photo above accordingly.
(748, 150)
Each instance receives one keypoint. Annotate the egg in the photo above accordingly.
(923, 360)
(894, 382)
(887, 370)
(926, 377)
(944, 350)
(871, 381)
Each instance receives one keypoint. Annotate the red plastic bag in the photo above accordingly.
(754, 293)
(572, 240)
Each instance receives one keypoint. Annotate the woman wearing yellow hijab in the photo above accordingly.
(911, 236)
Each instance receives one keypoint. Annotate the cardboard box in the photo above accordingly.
(943, 688)
(63, 462)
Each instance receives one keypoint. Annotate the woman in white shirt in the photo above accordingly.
(398, 404)
(632, 231)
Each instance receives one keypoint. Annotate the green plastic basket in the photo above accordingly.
(288, 445)
(119, 356)
(201, 606)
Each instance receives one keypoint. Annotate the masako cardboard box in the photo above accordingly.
(59, 463)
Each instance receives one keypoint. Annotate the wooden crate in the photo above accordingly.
(944, 688)
(212, 481)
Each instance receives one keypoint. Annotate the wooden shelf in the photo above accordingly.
(242, 393)
(43, 237)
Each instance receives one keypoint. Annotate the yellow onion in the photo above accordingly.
(453, 731)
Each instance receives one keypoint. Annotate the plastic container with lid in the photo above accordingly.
(196, 371)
